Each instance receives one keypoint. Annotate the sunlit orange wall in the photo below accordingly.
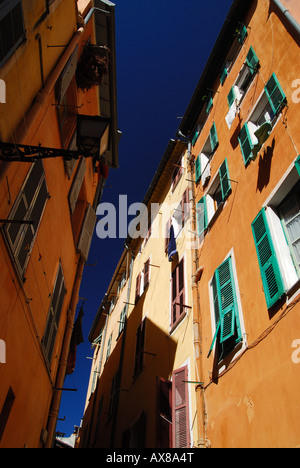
(256, 403)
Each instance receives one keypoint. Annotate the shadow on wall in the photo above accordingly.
(120, 397)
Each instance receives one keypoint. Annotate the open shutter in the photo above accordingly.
(76, 185)
(297, 165)
(224, 180)
(180, 409)
(252, 61)
(245, 143)
(139, 348)
(213, 137)
(227, 300)
(231, 96)
(164, 413)
(146, 273)
(275, 94)
(268, 263)
(201, 209)
(178, 293)
(225, 307)
(210, 103)
(137, 287)
(87, 230)
(197, 169)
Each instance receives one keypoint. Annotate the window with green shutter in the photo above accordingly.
(214, 141)
(246, 144)
(252, 61)
(228, 331)
(231, 96)
(275, 94)
(224, 180)
(210, 103)
(297, 165)
(197, 169)
(268, 263)
(201, 209)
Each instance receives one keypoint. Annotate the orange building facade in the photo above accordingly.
(48, 206)
(243, 126)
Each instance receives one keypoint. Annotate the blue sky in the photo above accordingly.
(162, 47)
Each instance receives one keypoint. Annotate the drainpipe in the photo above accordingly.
(61, 373)
(288, 15)
(196, 274)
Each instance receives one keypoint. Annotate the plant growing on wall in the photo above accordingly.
(92, 66)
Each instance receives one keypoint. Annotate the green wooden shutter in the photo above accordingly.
(224, 180)
(197, 169)
(252, 61)
(225, 306)
(275, 94)
(195, 138)
(213, 137)
(227, 300)
(231, 96)
(268, 263)
(210, 104)
(242, 33)
(245, 143)
(297, 164)
(201, 209)
(223, 74)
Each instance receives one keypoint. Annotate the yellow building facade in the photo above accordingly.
(141, 390)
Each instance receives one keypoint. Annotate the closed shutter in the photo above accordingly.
(213, 138)
(76, 185)
(246, 144)
(180, 409)
(252, 61)
(85, 238)
(164, 413)
(197, 169)
(224, 180)
(201, 209)
(178, 293)
(275, 94)
(146, 273)
(139, 348)
(268, 263)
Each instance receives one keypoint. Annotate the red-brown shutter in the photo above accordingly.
(139, 349)
(167, 234)
(180, 409)
(137, 288)
(164, 413)
(178, 292)
(146, 273)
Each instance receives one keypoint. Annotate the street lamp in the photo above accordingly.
(92, 141)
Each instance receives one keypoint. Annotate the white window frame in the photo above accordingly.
(284, 257)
